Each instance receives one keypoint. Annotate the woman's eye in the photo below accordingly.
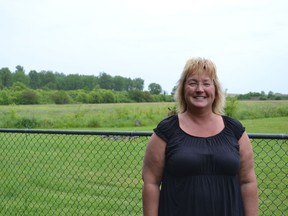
(193, 84)
(207, 84)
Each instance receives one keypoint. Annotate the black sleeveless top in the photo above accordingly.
(200, 177)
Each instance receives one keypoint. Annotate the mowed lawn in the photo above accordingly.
(54, 174)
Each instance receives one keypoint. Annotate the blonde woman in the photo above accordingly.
(199, 162)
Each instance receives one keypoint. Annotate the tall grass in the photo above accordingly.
(260, 116)
(261, 109)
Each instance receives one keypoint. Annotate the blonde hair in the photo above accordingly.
(199, 66)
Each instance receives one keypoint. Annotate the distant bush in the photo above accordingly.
(29, 96)
(61, 97)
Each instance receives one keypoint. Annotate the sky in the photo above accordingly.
(150, 39)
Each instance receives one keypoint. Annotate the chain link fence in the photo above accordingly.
(99, 173)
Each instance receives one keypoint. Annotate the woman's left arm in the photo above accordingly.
(248, 181)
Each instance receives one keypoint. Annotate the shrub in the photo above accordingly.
(231, 106)
(26, 123)
(29, 96)
(61, 97)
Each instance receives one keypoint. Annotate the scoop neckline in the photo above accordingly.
(202, 137)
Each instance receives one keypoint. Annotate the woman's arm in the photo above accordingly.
(248, 181)
(153, 166)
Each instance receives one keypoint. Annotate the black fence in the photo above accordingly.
(45, 172)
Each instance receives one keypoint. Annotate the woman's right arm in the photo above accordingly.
(153, 166)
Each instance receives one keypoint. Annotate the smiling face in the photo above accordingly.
(199, 85)
(199, 91)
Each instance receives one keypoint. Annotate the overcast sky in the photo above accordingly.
(150, 39)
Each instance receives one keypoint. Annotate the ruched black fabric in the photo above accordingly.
(201, 174)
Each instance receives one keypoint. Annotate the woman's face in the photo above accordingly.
(199, 91)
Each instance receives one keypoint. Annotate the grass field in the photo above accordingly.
(257, 116)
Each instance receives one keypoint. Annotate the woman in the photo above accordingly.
(199, 162)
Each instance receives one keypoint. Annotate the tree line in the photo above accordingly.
(48, 87)
(60, 81)
(262, 96)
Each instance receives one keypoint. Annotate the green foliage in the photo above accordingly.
(231, 106)
(95, 96)
(154, 88)
(59, 81)
(145, 116)
(172, 110)
(262, 96)
(5, 97)
(19, 76)
(18, 86)
(140, 96)
(61, 97)
(261, 109)
(29, 96)
(5, 77)
(108, 96)
(26, 123)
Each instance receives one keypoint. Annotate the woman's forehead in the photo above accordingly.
(202, 76)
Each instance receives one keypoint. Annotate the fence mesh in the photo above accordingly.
(74, 173)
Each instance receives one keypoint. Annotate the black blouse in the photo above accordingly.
(201, 174)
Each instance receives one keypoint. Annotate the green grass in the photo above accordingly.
(48, 174)
(70, 175)
(84, 115)
(261, 109)
(277, 125)
(257, 116)
(272, 170)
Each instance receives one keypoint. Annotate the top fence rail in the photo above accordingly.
(121, 133)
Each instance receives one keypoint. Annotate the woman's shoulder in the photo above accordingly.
(169, 120)
(234, 125)
(231, 121)
(167, 126)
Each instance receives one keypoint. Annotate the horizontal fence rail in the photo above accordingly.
(68, 172)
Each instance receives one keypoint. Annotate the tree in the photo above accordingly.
(173, 91)
(47, 79)
(5, 97)
(120, 83)
(5, 77)
(137, 84)
(19, 75)
(34, 79)
(18, 86)
(154, 88)
(271, 95)
(105, 81)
